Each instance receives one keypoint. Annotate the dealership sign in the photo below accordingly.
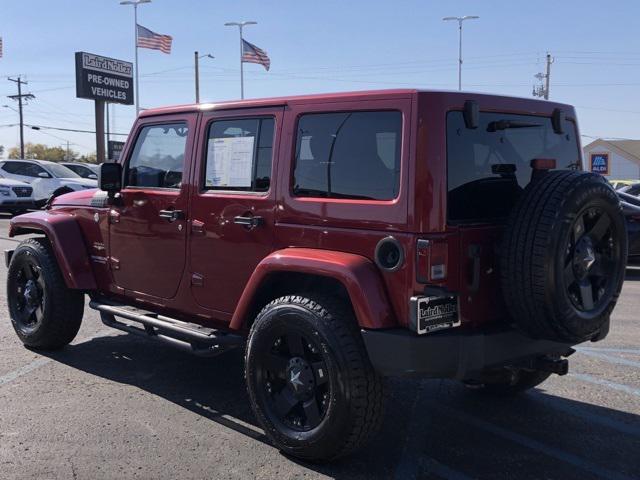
(104, 78)
(600, 163)
(114, 150)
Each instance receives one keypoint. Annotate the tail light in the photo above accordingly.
(432, 258)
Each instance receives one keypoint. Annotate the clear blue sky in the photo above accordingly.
(322, 46)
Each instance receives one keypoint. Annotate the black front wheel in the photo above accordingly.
(310, 381)
(45, 313)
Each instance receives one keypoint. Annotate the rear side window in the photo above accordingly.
(488, 167)
(348, 155)
(239, 154)
(158, 156)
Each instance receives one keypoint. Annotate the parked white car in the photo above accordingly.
(85, 170)
(46, 178)
(15, 196)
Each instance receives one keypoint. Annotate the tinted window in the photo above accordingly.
(239, 154)
(60, 171)
(81, 170)
(348, 155)
(23, 168)
(489, 166)
(158, 156)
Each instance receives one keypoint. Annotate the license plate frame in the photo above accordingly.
(433, 313)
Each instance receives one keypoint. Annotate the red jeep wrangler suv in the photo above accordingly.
(338, 238)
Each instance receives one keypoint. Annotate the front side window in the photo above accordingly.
(158, 156)
(348, 155)
(488, 167)
(239, 154)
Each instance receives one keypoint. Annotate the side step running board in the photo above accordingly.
(187, 336)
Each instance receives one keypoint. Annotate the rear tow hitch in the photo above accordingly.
(559, 366)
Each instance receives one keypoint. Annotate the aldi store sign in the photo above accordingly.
(600, 163)
(104, 78)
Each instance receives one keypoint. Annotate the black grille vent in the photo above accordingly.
(22, 191)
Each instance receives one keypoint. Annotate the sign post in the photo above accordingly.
(103, 79)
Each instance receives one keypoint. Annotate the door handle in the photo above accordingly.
(250, 222)
(171, 215)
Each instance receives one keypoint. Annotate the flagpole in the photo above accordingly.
(135, 4)
(240, 25)
(241, 66)
(135, 37)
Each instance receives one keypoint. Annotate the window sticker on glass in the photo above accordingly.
(230, 162)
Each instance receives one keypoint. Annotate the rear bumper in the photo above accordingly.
(452, 353)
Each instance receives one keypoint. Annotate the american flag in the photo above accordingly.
(153, 40)
(253, 54)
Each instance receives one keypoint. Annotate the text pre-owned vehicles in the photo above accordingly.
(85, 170)
(339, 238)
(46, 178)
(15, 196)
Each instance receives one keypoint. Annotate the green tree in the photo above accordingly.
(40, 151)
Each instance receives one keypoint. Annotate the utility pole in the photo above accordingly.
(18, 98)
(196, 59)
(543, 90)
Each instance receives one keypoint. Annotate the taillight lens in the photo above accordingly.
(432, 258)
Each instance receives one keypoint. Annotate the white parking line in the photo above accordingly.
(18, 372)
(413, 463)
(528, 442)
(609, 358)
(633, 351)
(605, 383)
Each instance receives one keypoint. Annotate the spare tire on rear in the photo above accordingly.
(563, 256)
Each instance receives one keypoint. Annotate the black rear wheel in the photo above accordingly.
(310, 381)
(44, 312)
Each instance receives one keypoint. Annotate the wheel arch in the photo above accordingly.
(297, 270)
(64, 235)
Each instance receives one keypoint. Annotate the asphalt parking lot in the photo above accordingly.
(115, 406)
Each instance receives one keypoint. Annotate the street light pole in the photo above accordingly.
(135, 4)
(460, 20)
(197, 69)
(240, 25)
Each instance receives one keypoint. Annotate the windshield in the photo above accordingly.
(489, 166)
(60, 171)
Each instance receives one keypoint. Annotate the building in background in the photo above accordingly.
(615, 159)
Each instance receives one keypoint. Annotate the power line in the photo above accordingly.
(72, 130)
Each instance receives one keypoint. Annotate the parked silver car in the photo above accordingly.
(46, 178)
(15, 196)
(85, 170)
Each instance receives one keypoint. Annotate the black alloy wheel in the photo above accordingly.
(295, 378)
(591, 259)
(45, 313)
(309, 378)
(28, 294)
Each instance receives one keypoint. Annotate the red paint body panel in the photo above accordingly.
(210, 270)
(62, 230)
(356, 273)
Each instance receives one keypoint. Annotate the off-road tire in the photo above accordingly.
(525, 380)
(355, 408)
(62, 307)
(535, 248)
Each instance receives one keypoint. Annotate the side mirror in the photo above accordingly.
(44, 175)
(93, 176)
(110, 177)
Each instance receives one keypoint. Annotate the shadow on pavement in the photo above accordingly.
(432, 429)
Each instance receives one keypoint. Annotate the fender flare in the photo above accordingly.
(356, 273)
(64, 234)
